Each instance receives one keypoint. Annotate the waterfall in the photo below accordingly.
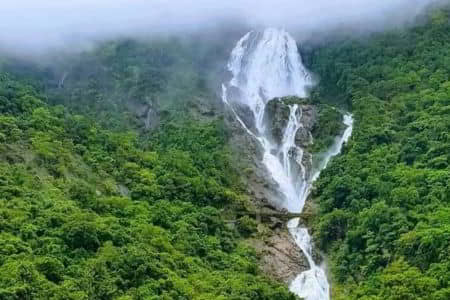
(311, 284)
(265, 65)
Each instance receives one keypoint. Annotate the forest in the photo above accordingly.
(384, 204)
(93, 205)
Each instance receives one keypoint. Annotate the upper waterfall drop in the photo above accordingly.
(266, 65)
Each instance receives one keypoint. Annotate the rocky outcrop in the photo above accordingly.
(276, 117)
(146, 113)
(243, 111)
(248, 157)
(261, 186)
(308, 118)
(281, 258)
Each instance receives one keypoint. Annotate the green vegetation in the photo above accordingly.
(93, 213)
(327, 127)
(384, 204)
(94, 207)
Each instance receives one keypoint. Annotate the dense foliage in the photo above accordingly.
(90, 213)
(385, 203)
(327, 127)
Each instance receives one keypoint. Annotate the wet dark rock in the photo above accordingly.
(146, 113)
(275, 223)
(309, 116)
(281, 258)
(276, 117)
(302, 137)
(246, 114)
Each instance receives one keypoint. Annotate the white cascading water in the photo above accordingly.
(311, 284)
(266, 65)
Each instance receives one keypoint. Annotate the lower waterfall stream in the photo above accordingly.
(266, 65)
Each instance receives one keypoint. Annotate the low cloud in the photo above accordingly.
(36, 26)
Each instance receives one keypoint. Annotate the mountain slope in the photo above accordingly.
(90, 213)
(384, 204)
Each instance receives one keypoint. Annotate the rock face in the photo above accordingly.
(248, 160)
(309, 118)
(276, 117)
(147, 113)
(280, 256)
(249, 154)
(243, 111)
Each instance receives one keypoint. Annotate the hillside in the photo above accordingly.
(384, 217)
(124, 176)
(88, 212)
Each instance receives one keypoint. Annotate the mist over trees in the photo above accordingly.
(31, 28)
